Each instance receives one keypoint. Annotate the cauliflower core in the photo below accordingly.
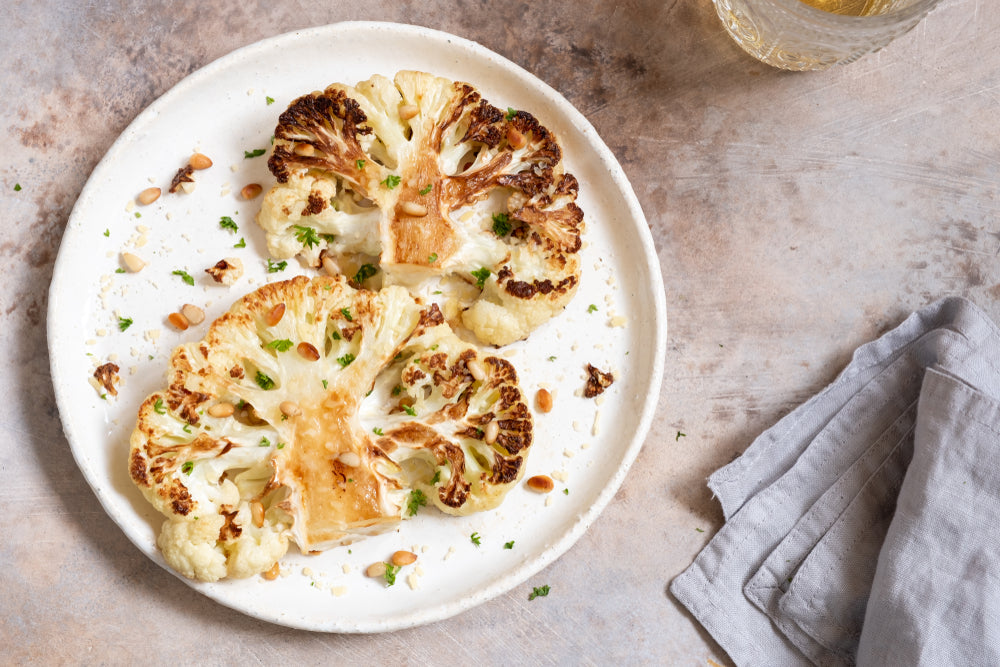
(309, 413)
(418, 181)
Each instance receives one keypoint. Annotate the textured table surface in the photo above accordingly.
(795, 216)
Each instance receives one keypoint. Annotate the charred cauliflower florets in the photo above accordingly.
(423, 179)
(309, 413)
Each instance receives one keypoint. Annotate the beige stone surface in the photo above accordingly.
(796, 216)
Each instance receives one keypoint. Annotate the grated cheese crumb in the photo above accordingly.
(345, 568)
(451, 550)
(338, 591)
(597, 423)
(559, 475)
(413, 581)
(548, 501)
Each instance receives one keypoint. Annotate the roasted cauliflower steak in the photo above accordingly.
(309, 414)
(419, 181)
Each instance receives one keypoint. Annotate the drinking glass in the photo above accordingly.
(816, 34)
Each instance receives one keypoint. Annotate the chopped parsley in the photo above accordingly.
(17, 187)
(437, 476)
(377, 431)
(185, 276)
(427, 188)
(391, 181)
(347, 314)
(390, 573)
(329, 238)
(187, 467)
(360, 164)
(306, 236)
(552, 358)
(274, 267)
(228, 223)
(539, 592)
(591, 308)
(364, 273)
(257, 152)
(124, 323)
(280, 345)
(107, 232)
(501, 224)
(138, 215)
(481, 275)
(186, 428)
(699, 530)
(408, 409)
(242, 243)
(475, 539)
(335, 335)
(324, 384)
(345, 360)
(263, 381)
(158, 407)
(397, 390)
(264, 442)
(509, 545)
(679, 436)
(416, 501)
(280, 445)
(566, 492)
(433, 258)
(511, 112)
(119, 270)
(269, 100)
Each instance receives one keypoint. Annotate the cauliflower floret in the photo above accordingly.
(258, 440)
(424, 178)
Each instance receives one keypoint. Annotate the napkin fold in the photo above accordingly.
(863, 526)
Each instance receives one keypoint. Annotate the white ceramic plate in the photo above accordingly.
(222, 111)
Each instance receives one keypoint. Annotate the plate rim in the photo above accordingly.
(636, 217)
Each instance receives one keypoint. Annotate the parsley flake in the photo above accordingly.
(397, 390)
(679, 436)
(228, 223)
(511, 112)
(699, 530)
(274, 267)
(390, 573)
(345, 360)
(566, 492)
(591, 308)
(119, 270)
(158, 407)
(17, 187)
(324, 384)
(481, 275)
(263, 381)
(269, 100)
(552, 358)
(437, 476)
(242, 243)
(257, 152)
(501, 224)
(509, 545)
(107, 232)
(427, 188)
(280, 345)
(391, 181)
(336, 335)
(475, 539)
(347, 314)
(264, 442)
(306, 236)
(185, 276)
(186, 428)
(280, 445)
(377, 431)
(187, 467)
(416, 501)
(539, 592)
(124, 323)
(433, 258)
(408, 409)
(360, 164)
(364, 273)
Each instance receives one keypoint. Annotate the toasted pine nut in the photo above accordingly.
(273, 573)
(193, 313)
(541, 483)
(408, 111)
(307, 351)
(375, 570)
(350, 459)
(133, 263)
(274, 315)
(178, 321)
(401, 558)
(251, 191)
(413, 209)
(476, 370)
(222, 410)
(330, 266)
(200, 161)
(543, 399)
(148, 196)
(491, 432)
(304, 150)
(290, 408)
(515, 138)
(257, 513)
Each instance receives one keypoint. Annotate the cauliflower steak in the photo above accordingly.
(310, 413)
(421, 182)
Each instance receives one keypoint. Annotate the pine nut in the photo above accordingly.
(413, 209)
(476, 370)
(307, 351)
(401, 558)
(350, 459)
(408, 111)
(541, 483)
(304, 150)
(257, 513)
(290, 409)
(200, 161)
(516, 139)
(274, 315)
(193, 313)
(178, 320)
(222, 410)
(375, 570)
(491, 432)
(133, 263)
(251, 191)
(273, 573)
(543, 399)
(148, 196)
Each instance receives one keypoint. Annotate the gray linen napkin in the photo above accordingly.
(809, 504)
